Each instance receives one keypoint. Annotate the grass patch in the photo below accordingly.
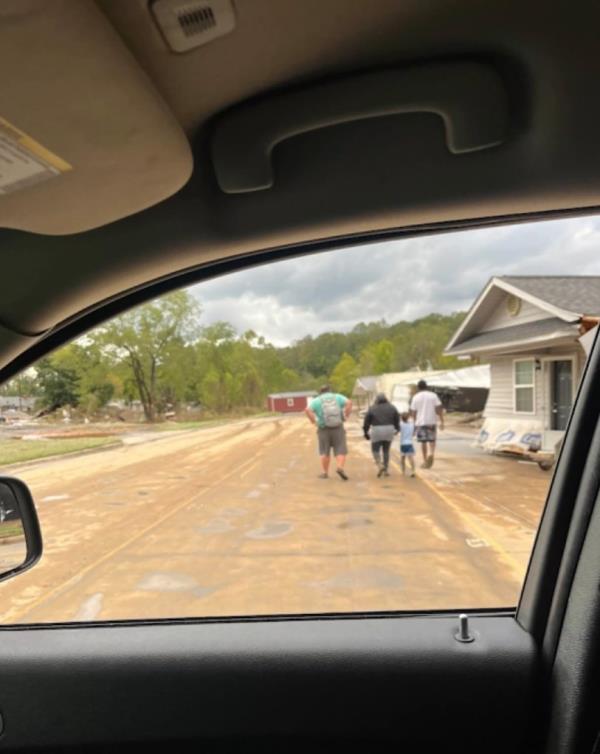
(17, 451)
(11, 529)
(177, 426)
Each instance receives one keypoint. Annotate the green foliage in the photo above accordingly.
(18, 451)
(376, 358)
(57, 383)
(148, 340)
(159, 354)
(378, 347)
(344, 375)
(421, 343)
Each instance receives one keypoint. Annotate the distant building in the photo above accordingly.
(463, 389)
(16, 402)
(287, 403)
(364, 392)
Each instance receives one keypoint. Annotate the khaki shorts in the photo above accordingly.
(332, 438)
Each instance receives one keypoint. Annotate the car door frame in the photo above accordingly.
(534, 632)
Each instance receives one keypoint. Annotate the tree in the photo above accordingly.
(378, 347)
(95, 385)
(345, 375)
(376, 358)
(144, 337)
(57, 383)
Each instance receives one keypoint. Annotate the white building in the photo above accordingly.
(528, 328)
(467, 387)
(8, 402)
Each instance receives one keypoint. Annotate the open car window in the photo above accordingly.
(177, 452)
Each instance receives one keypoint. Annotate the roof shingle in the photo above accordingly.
(575, 293)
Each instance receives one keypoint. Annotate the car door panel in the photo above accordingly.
(401, 679)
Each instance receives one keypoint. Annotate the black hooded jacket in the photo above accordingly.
(381, 414)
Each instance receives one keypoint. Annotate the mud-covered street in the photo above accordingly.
(233, 520)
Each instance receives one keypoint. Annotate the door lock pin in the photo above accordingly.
(464, 634)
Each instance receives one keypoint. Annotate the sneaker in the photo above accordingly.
(386, 472)
(381, 472)
(342, 474)
(430, 462)
(323, 476)
(412, 474)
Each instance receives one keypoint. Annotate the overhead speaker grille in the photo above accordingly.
(186, 25)
(197, 21)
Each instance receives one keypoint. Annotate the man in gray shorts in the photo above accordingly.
(328, 412)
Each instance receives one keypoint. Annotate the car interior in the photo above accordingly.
(164, 142)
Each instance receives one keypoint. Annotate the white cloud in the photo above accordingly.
(393, 280)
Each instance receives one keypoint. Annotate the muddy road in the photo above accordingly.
(233, 520)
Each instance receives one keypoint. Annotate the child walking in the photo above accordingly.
(407, 449)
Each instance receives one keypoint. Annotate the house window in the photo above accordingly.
(290, 402)
(524, 386)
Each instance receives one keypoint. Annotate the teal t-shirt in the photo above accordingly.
(317, 407)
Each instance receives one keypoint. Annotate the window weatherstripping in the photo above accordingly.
(524, 386)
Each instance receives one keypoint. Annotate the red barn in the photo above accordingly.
(287, 403)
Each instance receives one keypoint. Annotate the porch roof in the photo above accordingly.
(517, 336)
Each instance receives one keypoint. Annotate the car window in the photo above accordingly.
(371, 428)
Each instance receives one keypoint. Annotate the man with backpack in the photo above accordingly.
(327, 412)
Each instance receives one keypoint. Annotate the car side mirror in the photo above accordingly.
(20, 535)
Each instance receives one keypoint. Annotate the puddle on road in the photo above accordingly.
(355, 523)
(216, 526)
(270, 530)
(90, 608)
(172, 582)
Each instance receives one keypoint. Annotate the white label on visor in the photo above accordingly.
(23, 161)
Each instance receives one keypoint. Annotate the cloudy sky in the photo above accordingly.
(394, 280)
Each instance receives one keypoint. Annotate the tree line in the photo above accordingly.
(160, 354)
(376, 348)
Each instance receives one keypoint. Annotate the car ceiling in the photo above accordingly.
(98, 86)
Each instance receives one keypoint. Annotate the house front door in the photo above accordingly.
(561, 393)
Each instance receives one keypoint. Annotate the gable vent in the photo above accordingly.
(186, 25)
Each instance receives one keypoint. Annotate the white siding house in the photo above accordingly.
(528, 328)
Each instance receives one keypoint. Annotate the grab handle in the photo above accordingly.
(469, 97)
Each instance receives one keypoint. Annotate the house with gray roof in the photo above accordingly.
(529, 329)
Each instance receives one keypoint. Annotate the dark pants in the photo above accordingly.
(378, 447)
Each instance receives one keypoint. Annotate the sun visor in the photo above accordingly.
(85, 139)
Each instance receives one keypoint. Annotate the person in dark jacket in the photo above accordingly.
(382, 422)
